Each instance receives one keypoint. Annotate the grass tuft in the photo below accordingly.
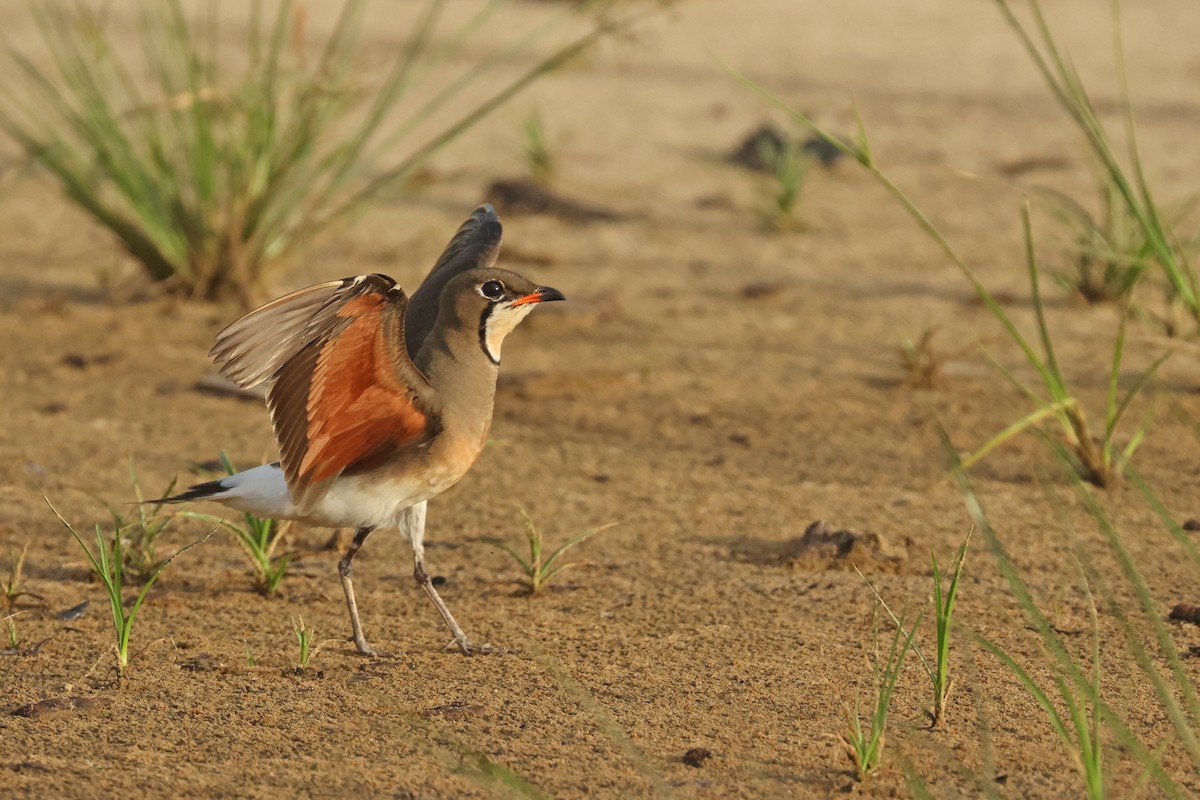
(140, 535)
(1096, 455)
(214, 171)
(108, 563)
(11, 638)
(943, 609)
(304, 638)
(540, 568)
(1089, 721)
(12, 587)
(787, 166)
(943, 598)
(921, 363)
(1108, 255)
(1126, 189)
(864, 746)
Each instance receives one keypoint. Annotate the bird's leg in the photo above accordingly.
(415, 530)
(344, 569)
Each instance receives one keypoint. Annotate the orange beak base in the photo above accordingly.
(543, 294)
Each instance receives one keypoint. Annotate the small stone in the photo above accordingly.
(760, 289)
(821, 150)
(758, 148)
(1185, 612)
(54, 704)
(82, 361)
(456, 710)
(696, 756)
(73, 613)
(522, 196)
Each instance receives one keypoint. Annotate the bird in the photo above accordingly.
(378, 402)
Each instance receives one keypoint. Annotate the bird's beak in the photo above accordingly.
(543, 294)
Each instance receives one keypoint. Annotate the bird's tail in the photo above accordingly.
(211, 490)
(261, 491)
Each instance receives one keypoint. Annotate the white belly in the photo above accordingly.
(355, 501)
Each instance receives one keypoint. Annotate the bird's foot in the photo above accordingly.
(365, 649)
(469, 648)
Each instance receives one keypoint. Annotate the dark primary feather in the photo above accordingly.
(476, 244)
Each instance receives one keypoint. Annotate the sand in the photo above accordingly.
(713, 387)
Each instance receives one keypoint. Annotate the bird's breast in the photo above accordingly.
(451, 456)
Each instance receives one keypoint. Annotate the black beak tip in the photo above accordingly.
(547, 293)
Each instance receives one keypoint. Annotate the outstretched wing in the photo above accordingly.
(252, 349)
(344, 392)
(475, 244)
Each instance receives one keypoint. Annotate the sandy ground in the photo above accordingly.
(713, 387)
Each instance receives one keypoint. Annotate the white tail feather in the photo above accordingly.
(261, 491)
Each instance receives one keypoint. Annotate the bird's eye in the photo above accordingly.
(492, 290)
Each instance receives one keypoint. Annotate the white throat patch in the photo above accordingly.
(500, 323)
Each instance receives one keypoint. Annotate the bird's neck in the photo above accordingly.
(461, 374)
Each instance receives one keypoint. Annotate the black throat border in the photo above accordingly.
(483, 320)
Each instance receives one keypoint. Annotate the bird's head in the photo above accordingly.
(495, 300)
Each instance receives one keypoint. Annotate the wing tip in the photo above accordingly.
(483, 229)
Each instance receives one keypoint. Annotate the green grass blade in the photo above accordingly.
(1053, 410)
(943, 607)
(469, 76)
(398, 79)
(571, 543)
(1035, 691)
(525, 565)
(913, 211)
(1181, 537)
(604, 721)
(547, 574)
(1114, 375)
(1064, 83)
(1133, 635)
(1011, 377)
(95, 564)
(1184, 723)
(1048, 367)
(1069, 671)
(1139, 384)
(896, 621)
